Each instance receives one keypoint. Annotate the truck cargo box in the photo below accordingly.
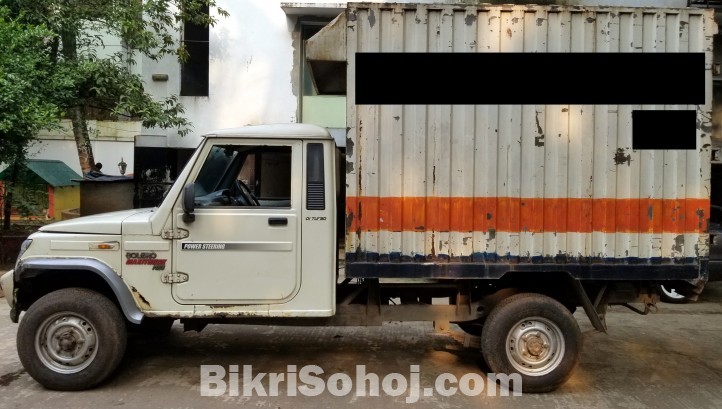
(444, 191)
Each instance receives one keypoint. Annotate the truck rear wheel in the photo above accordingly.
(535, 336)
(71, 339)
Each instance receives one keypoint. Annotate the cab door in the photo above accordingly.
(242, 247)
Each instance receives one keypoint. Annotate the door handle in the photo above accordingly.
(277, 221)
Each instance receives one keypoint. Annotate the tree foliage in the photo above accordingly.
(28, 89)
(95, 77)
(27, 85)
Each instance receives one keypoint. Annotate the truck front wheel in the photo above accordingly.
(71, 339)
(535, 336)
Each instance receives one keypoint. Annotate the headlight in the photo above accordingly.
(23, 249)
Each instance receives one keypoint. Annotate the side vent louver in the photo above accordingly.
(315, 196)
(315, 184)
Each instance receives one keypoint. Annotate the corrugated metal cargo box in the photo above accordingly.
(455, 190)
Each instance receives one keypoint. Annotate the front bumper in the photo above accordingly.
(8, 288)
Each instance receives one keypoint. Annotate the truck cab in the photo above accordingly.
(248, 230)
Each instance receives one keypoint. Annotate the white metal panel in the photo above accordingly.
(437, 167)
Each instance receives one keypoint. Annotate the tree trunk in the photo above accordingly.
(77, 114)
(82, 139)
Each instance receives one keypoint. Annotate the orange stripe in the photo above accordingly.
(536, 215)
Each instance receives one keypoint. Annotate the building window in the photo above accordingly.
(194, 71)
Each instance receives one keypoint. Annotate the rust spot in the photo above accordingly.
(704, 126)
(433, 249)
(138, 296)
(538, 140)
(372, 18)
(700, 215)
(397, 117)
(349, 147)
(508, 32)
(492, 234)
(488, 216)
(539, 22)
(591, 19)
(349, 220)
(620, 158)
(678, 243)
(650, 212)
(469, 19)
(352, 16)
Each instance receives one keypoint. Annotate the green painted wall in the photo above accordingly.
(324, 110)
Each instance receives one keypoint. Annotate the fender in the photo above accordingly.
(31, 267)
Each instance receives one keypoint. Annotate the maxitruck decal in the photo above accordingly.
(204, 246)
(145, 259)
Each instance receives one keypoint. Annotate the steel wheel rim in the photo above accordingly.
(535, 346)
(66, 342)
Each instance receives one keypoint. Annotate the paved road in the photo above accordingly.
(669, 359)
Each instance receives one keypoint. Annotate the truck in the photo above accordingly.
(503, 219)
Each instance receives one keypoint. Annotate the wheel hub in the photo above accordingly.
(535, 346)
(66, 343)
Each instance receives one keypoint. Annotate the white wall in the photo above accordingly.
(110, 141)
(251, 68)
(106, 152)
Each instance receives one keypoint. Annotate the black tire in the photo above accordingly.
(543, 329)
(86, 324)
(670, 295)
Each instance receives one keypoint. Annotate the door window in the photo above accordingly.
(245, 176)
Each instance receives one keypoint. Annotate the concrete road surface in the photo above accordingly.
(668, 359)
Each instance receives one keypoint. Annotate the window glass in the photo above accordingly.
(194, 70)
(242, 175)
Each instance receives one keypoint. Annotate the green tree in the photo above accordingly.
(28, 86)
(98, 81)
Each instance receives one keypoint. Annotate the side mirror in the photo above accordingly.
(189, 197)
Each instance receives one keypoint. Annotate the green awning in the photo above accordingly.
(53, 172)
